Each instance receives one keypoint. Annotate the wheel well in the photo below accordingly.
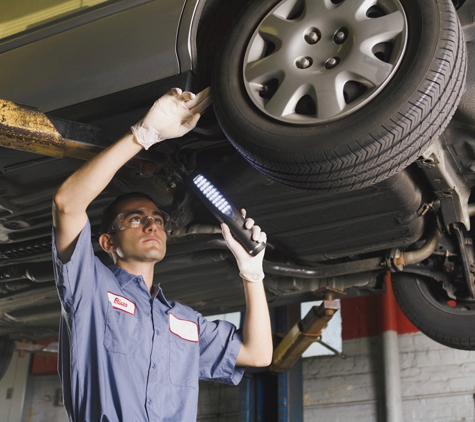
(458, 3)
(216, 17)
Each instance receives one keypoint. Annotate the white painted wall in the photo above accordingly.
(13, 387)
(331, 334)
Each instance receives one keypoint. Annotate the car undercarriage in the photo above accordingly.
(414, 223)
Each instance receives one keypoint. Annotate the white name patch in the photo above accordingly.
(121, 303)
(187, 330)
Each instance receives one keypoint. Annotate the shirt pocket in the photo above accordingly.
(184, 361)
(122, 331)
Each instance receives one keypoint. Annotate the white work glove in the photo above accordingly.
(250, 267)
(172, 115)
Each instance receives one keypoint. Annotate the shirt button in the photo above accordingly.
(149, 401)
(154, 365)
(156, 332)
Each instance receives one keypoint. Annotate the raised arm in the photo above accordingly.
(257, 345)
(171, 116)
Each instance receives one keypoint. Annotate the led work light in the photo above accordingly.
(225, 212)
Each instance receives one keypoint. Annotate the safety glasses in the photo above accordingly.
(138, 218)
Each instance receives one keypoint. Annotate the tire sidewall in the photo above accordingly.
(254, 130)
(444, 326)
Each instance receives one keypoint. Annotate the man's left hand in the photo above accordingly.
(250, 267)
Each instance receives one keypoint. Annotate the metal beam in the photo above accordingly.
(290, 382)
(28, 129)
(306, 331)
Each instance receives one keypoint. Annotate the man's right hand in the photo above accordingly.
(172, 116)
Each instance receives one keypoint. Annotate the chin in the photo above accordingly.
(157, 257)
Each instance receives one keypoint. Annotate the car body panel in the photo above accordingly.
(104, 56)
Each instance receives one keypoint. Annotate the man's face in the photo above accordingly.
(138, 234)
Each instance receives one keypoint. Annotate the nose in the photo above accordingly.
(150, 224)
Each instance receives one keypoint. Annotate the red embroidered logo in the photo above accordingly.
(118, 301)
(121, 303)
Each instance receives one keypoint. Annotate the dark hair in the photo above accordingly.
(111, 211)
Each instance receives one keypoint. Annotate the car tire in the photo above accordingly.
(383, 125)
(7, 347)
(428, 307)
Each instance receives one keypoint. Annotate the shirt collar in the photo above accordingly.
(124, 278)
(161, 297)
(158, 293)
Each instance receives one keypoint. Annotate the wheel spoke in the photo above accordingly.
(377, 30)
(285, 99)
(330, 99)
(287, 8)
(354, 10)
(263, 69)
(321, 8)
(368, 70)
(364, 66)
(275, 28)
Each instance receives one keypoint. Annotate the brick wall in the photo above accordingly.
(437, 383)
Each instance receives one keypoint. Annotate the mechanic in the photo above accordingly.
(126, 352)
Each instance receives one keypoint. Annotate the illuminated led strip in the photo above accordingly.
(213, 195)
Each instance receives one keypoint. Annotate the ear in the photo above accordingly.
(106, 242)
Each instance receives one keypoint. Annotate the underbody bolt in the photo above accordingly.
(265, 92)
(147, 169)
(312, 37)
(304, 62)
(340, 37)
(332, 62)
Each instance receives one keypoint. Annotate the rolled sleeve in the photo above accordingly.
(75, 279)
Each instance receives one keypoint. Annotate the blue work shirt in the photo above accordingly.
(128, 355)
